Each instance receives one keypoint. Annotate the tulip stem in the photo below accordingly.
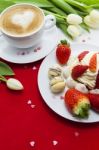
(2, 78)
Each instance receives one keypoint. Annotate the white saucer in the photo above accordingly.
(19, 56)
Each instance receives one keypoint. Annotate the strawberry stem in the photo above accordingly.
(2, 78)
(64, 42)
(82, 111)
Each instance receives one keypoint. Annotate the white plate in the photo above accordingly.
(20, 56)
(56, 102)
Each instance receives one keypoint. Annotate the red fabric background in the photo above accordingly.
(20, 124)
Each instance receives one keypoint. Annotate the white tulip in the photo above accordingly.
(91, 23)
(74, 31)
(74, 19)
(14, 84)
(94, 15)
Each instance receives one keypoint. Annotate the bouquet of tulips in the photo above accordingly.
(72, 16)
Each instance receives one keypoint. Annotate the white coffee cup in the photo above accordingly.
(33, 38)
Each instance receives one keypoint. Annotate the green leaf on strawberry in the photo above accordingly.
(63, 52)
(77, 103)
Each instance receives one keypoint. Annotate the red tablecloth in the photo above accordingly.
(35, 126)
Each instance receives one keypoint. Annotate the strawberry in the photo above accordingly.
(63, 52)
(97, 82)
(94, 100)
(93, 63)
(77, 102)
(82, 55)
(78, 71)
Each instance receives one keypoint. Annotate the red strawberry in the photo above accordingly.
(78, 71)
(93, 63)
(97, 82)
(63, 52)
(77, 102)
(82, 55)
(94, 100)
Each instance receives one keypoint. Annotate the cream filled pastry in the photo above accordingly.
(89, 77)
(84, 68)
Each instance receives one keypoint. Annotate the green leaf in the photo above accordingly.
(96, 6)
(2, 78)
(89, 2)
(4, 4)
(5, 69)
(39, 3)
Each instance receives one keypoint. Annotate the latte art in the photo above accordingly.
(23, 20)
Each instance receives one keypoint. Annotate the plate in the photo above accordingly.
(20, 56)
(55, 101)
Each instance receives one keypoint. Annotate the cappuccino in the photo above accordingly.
(21, 20)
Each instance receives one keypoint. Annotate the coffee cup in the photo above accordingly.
(23, 25)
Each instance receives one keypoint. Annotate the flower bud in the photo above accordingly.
(74, 19)
(74, 31)
(14, 84)
(94, 15)
(88, 21)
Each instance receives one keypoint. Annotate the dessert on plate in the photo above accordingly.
(78, 77)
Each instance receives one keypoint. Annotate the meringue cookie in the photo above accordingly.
(81, 87)
(57, 85)
(66, 72)
(70, 82)
(94, 91)
(54, 71)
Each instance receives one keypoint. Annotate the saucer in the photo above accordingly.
(22, 56)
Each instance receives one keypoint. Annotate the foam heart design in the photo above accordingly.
(23, 19)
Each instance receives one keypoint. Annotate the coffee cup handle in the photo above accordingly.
(50, 21)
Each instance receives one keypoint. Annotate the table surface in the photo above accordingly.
(25, 126)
